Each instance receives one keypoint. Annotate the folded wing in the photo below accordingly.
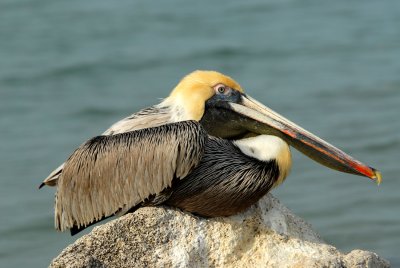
(108, 174)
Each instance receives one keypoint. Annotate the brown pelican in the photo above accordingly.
(208, 148)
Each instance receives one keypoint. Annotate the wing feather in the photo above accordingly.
(110, 173)
(149, 117)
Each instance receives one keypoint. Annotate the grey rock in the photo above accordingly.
(266, 235)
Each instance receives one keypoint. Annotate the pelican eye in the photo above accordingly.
(221, 89)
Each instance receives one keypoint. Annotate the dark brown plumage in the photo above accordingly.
(177, 164)
(225, 182)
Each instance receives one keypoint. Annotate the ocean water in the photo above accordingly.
(69, 69)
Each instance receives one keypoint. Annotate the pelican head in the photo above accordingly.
(219, 103)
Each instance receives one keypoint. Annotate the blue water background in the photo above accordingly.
(69, 69)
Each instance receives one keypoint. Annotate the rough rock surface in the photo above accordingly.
(266, 235)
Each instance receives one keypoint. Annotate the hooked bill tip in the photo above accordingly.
(377, 176)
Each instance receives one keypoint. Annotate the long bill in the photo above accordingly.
(260, 119)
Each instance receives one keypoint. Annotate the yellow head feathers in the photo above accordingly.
(195, 89)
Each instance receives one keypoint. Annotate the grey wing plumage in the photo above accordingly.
(112, 173)
(149, 117)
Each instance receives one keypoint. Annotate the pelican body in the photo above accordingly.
(208, 148)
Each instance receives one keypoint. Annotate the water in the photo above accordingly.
(69, 69)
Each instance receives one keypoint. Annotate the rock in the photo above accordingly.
(266, 235)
